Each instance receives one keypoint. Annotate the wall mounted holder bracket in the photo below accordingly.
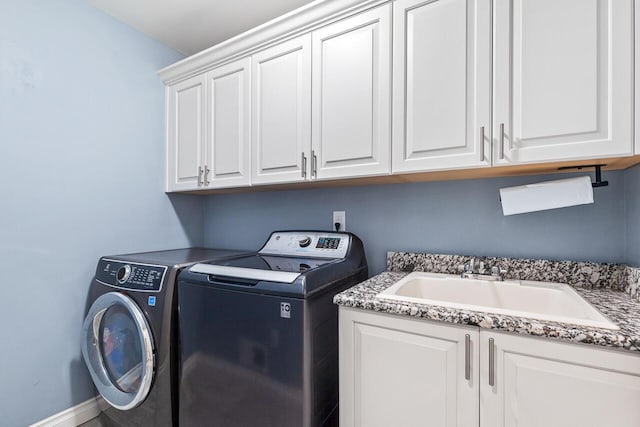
(599, 182)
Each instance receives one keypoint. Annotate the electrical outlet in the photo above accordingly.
(341, 218)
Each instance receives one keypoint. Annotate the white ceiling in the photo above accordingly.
(190, 26)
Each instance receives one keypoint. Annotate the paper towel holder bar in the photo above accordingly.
(599, 182)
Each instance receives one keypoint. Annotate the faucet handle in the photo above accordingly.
(481, 269)
(498, 272)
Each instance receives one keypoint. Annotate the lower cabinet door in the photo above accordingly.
(540, 383)
(403, 372)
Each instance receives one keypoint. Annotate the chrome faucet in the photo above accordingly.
(469, 271)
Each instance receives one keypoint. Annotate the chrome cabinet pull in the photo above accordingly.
(206, 174)
(314, 164)
(482, 143)
(492, 372)
(501, 145)
(200, 176)
(467, 357)
(303, 171)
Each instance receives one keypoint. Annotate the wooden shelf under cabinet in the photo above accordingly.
(613, 163)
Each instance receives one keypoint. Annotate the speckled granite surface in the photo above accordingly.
(588, 275)
(617, 305)
(578, 274)
(633, 282)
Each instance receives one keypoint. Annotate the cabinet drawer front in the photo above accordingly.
(281, 102)
(563, 79)
(185, 133)
(442, 74)
(351, 95)
(229, 136)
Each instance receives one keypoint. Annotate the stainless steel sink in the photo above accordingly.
(555, 302)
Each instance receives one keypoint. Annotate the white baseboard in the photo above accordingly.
(75, 416)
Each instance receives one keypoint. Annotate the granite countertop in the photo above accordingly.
(614, 303)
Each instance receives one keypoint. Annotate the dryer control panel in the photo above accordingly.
(132, 276)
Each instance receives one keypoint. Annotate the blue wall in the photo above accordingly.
(82, 167)
(632, 216)
(460, 217)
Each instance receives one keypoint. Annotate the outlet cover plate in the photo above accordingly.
(341, 217)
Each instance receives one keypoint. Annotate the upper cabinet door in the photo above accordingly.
(563, 79)
(228, 161)
(281, 105)
(441, 84)
(185, 138)
(351, 96)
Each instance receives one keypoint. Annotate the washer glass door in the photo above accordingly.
(118, 350)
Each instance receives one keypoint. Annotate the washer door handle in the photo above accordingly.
(96, 326)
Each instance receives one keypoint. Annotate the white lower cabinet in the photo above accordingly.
(401, 372)
(398, 371)
(544, 383)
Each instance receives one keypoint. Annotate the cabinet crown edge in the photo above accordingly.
(301, 20)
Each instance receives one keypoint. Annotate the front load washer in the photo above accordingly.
(130, 330)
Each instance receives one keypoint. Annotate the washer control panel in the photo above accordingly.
(308, 244)
(133, 276)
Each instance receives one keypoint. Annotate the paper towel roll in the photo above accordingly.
(546, 195)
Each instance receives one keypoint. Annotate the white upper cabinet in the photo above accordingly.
(228, 158)
(351, 96)
(547, 383)
(185, 134)
(563, 79)
(441, 84)
(343, 89)
(281, 105)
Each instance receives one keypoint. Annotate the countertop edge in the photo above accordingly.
(363, 296)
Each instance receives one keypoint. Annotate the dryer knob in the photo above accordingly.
(305, 242)
(123, 274)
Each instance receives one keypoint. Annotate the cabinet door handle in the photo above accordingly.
(501, 145)
(492, 373)
(467, 357)
(206, 174)
(199, 176)
(314, 164)
(303, 170)
(482, 143)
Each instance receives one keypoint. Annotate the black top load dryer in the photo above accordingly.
(259, 333)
